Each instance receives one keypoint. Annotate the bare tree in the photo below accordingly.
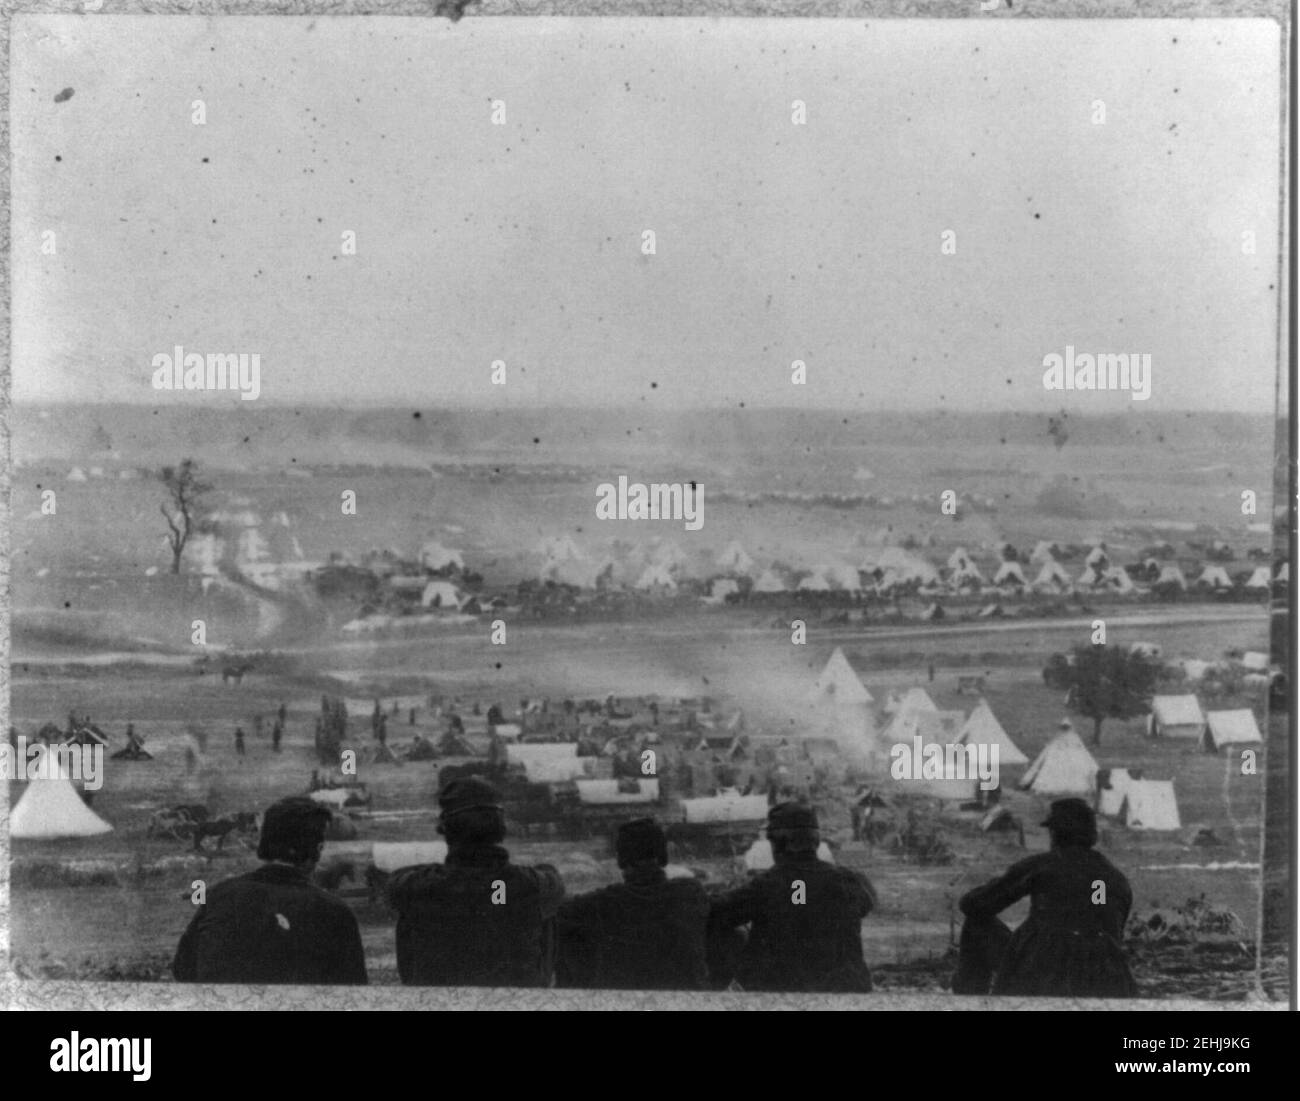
(185, 515)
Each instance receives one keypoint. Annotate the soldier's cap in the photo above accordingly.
(787, 817)
(1071, 814)
(641, 839)
(468, 793)
(294, 825)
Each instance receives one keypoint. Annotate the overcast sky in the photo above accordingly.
(522, 242)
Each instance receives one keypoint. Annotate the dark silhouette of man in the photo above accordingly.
(804, 917)
(273, 925)
(646, 933)
(1072, 943)
(478, 919)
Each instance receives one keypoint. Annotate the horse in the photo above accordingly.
(222, 827)
(235, 672)
(178, 821)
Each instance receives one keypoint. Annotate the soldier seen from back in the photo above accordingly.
(478, 919)
(646, 933)
(1071, 945)
(804, 917)
(273, 925)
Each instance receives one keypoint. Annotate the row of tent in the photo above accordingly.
(1182, 717)
(881, 570)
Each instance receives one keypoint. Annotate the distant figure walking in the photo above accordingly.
(282, 714)
(277, 732)
(239, 740)
(1072, 943)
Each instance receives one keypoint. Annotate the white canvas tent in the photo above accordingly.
(770, 582)
(841, 576)
(1223, 728)
(725, 808)
(1064, 767)
(959, 559)
(1150, 805)
(1256, 661)
(1044, 551)
(815, 582)
(606, 792)
(1110, 799)
(548, 763)
(1175, 717)
(983, 728)
(50, 809)
(656, 578)
(440, 594)
(1259, 580)
(902, 709)
(839, 683)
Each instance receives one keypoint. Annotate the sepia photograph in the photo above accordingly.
(549, 509)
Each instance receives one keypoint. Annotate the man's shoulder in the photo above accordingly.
(409, 883)
(256, 884)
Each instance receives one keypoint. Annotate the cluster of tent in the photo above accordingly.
(1182, 717)
(904, 717)
(1064, 767)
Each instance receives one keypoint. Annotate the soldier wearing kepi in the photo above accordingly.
(476, 920)
(646, 933)
(272, 925)
(1071, 945)
(804, 916)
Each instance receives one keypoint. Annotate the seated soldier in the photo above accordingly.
(646, 933)
(1071, 945)
(476, 920)
(272, 925)
(804, 917)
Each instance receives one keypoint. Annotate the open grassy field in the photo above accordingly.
(127, 917)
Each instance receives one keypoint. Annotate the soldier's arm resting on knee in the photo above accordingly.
(1006, 890)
